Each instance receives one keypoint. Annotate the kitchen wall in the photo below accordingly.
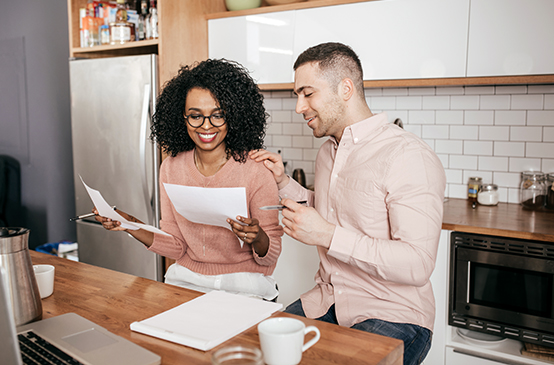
(494, 132)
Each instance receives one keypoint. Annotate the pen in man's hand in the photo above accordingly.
(280, 207)
(85, 216)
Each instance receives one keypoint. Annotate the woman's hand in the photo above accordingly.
(112, 225)
(250, 232)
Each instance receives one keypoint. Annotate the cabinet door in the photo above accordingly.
(395, 39)
(511, 37)
(262, 43)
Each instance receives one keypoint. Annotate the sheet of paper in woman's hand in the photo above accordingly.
(208, 205)
(105, 210)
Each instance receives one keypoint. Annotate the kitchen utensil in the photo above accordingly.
(298, 175)
(22, 284)
(233, 5)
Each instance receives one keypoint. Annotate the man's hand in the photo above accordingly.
(274, 163)
(306, 225)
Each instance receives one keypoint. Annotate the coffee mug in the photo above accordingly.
(282, 340)
(45, 279)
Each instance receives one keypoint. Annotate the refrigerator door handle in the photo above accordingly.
(142, 149)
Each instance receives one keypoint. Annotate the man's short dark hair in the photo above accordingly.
(336, 62)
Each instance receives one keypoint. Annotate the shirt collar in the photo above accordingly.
(360, 130)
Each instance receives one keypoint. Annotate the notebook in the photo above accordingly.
(208, 320)
(85, 341)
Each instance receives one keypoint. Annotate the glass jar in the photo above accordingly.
(238, 355)
(488, 194)
(532, 191)
(550, 190)
(473, 185)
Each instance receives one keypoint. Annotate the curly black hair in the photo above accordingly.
(237, 95)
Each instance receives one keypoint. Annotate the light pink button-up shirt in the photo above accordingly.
(383, 188)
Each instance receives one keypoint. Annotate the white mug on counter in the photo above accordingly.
(282, 340)
(45, 279)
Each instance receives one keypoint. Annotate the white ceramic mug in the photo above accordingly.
(282, 340)
(45, 279)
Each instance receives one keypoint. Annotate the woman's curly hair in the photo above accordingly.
(237, 95)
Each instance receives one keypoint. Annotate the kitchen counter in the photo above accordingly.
(114, 300)
(504, 220)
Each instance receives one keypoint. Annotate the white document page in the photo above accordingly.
(208, 205)
(105, 210)
(208, 320)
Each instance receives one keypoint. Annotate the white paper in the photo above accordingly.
(208, 205)
(208, 320)
(106, 210)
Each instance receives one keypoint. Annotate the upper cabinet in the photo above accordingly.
(511, 37)
(395, 39)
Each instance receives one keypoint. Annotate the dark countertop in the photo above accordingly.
(504, 219)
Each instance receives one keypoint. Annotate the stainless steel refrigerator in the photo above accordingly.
(112, 101)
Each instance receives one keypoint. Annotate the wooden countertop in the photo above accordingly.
(115, 300)
(504, 219)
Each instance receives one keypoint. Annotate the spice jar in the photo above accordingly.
(532, 191)
(488, 194)
(473, 186)
(550, 191)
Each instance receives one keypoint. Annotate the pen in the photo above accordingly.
(85, 216)
(280, 207)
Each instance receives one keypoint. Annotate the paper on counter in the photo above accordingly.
(105, 210)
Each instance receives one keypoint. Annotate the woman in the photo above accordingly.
(208, 118)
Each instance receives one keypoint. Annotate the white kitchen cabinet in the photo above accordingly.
(395, 39)
(261, 42)
(511, 37)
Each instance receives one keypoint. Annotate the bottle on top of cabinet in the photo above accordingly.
(532, 190)
(473, 185)
(121, 31)
(141, 31)
(152, 21)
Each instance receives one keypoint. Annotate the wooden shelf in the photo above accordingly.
(126, 49)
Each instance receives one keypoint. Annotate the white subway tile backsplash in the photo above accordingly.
(529, 134)
(464, 132)
(524, 164)
(436, 102)
(540, 150)
(489, 131)
(463, 162)
(494, 133)
(540, 117)
(435, 131)
(464, 102)
(494, 102)
(449, 117)
(409, 102)
(509, 149)
(506, 179)
(527, 101)
(449, 146)
(509, 117)
(479, 117)
(292, 128)
(479, 148)
(511, 89)
(479, 90)
(489, 163)
(302, 142)
(548, 134)
(382, 102)
(549, 102)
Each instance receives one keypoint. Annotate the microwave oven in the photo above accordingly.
(502, 286)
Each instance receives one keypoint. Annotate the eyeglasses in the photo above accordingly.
(197, 120)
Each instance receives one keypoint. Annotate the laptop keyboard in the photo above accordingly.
(36, 350)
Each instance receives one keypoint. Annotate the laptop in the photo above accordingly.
(72, 338)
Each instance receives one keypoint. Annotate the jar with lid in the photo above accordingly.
(488, 194)
(532, 191)
(473, 185)
(550, 190)
(121, 31)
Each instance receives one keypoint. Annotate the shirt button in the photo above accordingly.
(336, 175)
(332, 210)
(337, 273)
(340, 292)
(355, 139)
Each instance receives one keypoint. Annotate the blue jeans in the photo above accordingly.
(417, 340)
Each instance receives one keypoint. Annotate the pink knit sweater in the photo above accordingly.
(212, 250)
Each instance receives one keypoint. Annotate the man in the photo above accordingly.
(376, 212)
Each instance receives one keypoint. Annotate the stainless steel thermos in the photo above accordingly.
(22, 284)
